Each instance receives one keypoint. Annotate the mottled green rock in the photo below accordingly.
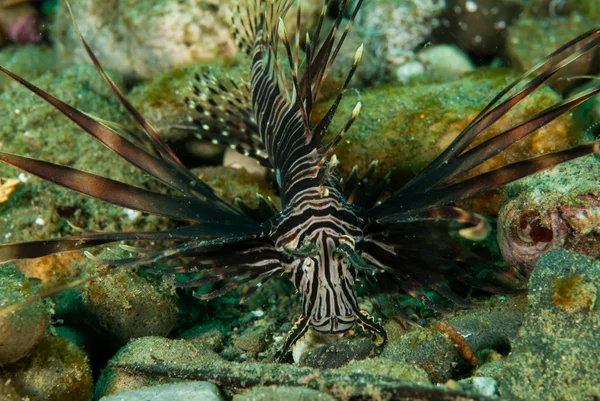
(29, 61)
(31, 128)
(426, 349)
(231, 183)
(126, 305)
(152, 357)
(282, 393)
(405, 127)
(56, 370)
(20, 330)
(555, 356)
(530, 40)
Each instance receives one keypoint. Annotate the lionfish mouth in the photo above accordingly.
(334, 324)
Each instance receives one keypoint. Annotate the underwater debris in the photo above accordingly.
(460, 343)
(7, 187)
(326, 235)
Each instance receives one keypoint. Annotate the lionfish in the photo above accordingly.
(328, 234)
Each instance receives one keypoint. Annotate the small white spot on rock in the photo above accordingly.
(471, 6)
(132, 214)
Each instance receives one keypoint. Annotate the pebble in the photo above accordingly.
(189, 391)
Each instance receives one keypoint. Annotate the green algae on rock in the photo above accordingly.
(126, 305)
(154, 358)
(56, 370)
(405, 126)
(20, 330)
(28, 60)
(556, 352)
(530, 40)
(38, 209)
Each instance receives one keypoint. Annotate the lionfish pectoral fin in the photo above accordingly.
(295, 334)
(367, 323)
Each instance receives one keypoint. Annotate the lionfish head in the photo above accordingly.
(325, 280)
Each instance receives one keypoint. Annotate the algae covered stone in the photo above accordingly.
(26, 60)
(56, 370)
(21, 329)
(406, 126)
(555, 356)
(139, 38)
(39, 209)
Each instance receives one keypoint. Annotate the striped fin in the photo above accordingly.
(282, 107)
(440, 184)
(222, 113)
(407, 262)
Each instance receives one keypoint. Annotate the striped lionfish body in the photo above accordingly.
(327, 235)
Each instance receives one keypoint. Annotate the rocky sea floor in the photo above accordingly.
(132, 336)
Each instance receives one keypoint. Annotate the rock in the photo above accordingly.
(231, 183)
(393, 29)
(7, 390)
(188, 391)
(282, 393)
(426, 349)
(126, 305)
(405, 127)
(252, 340)
(445, 59)
(21, 329)
(140, 39)
(491, 325)
(29, 61)
(39, 209)
(478, 26)
(485, 386)
(337, 355)
(530, 40)
(556, 352)
(559, 207)
(153, 357)
(56, 370)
